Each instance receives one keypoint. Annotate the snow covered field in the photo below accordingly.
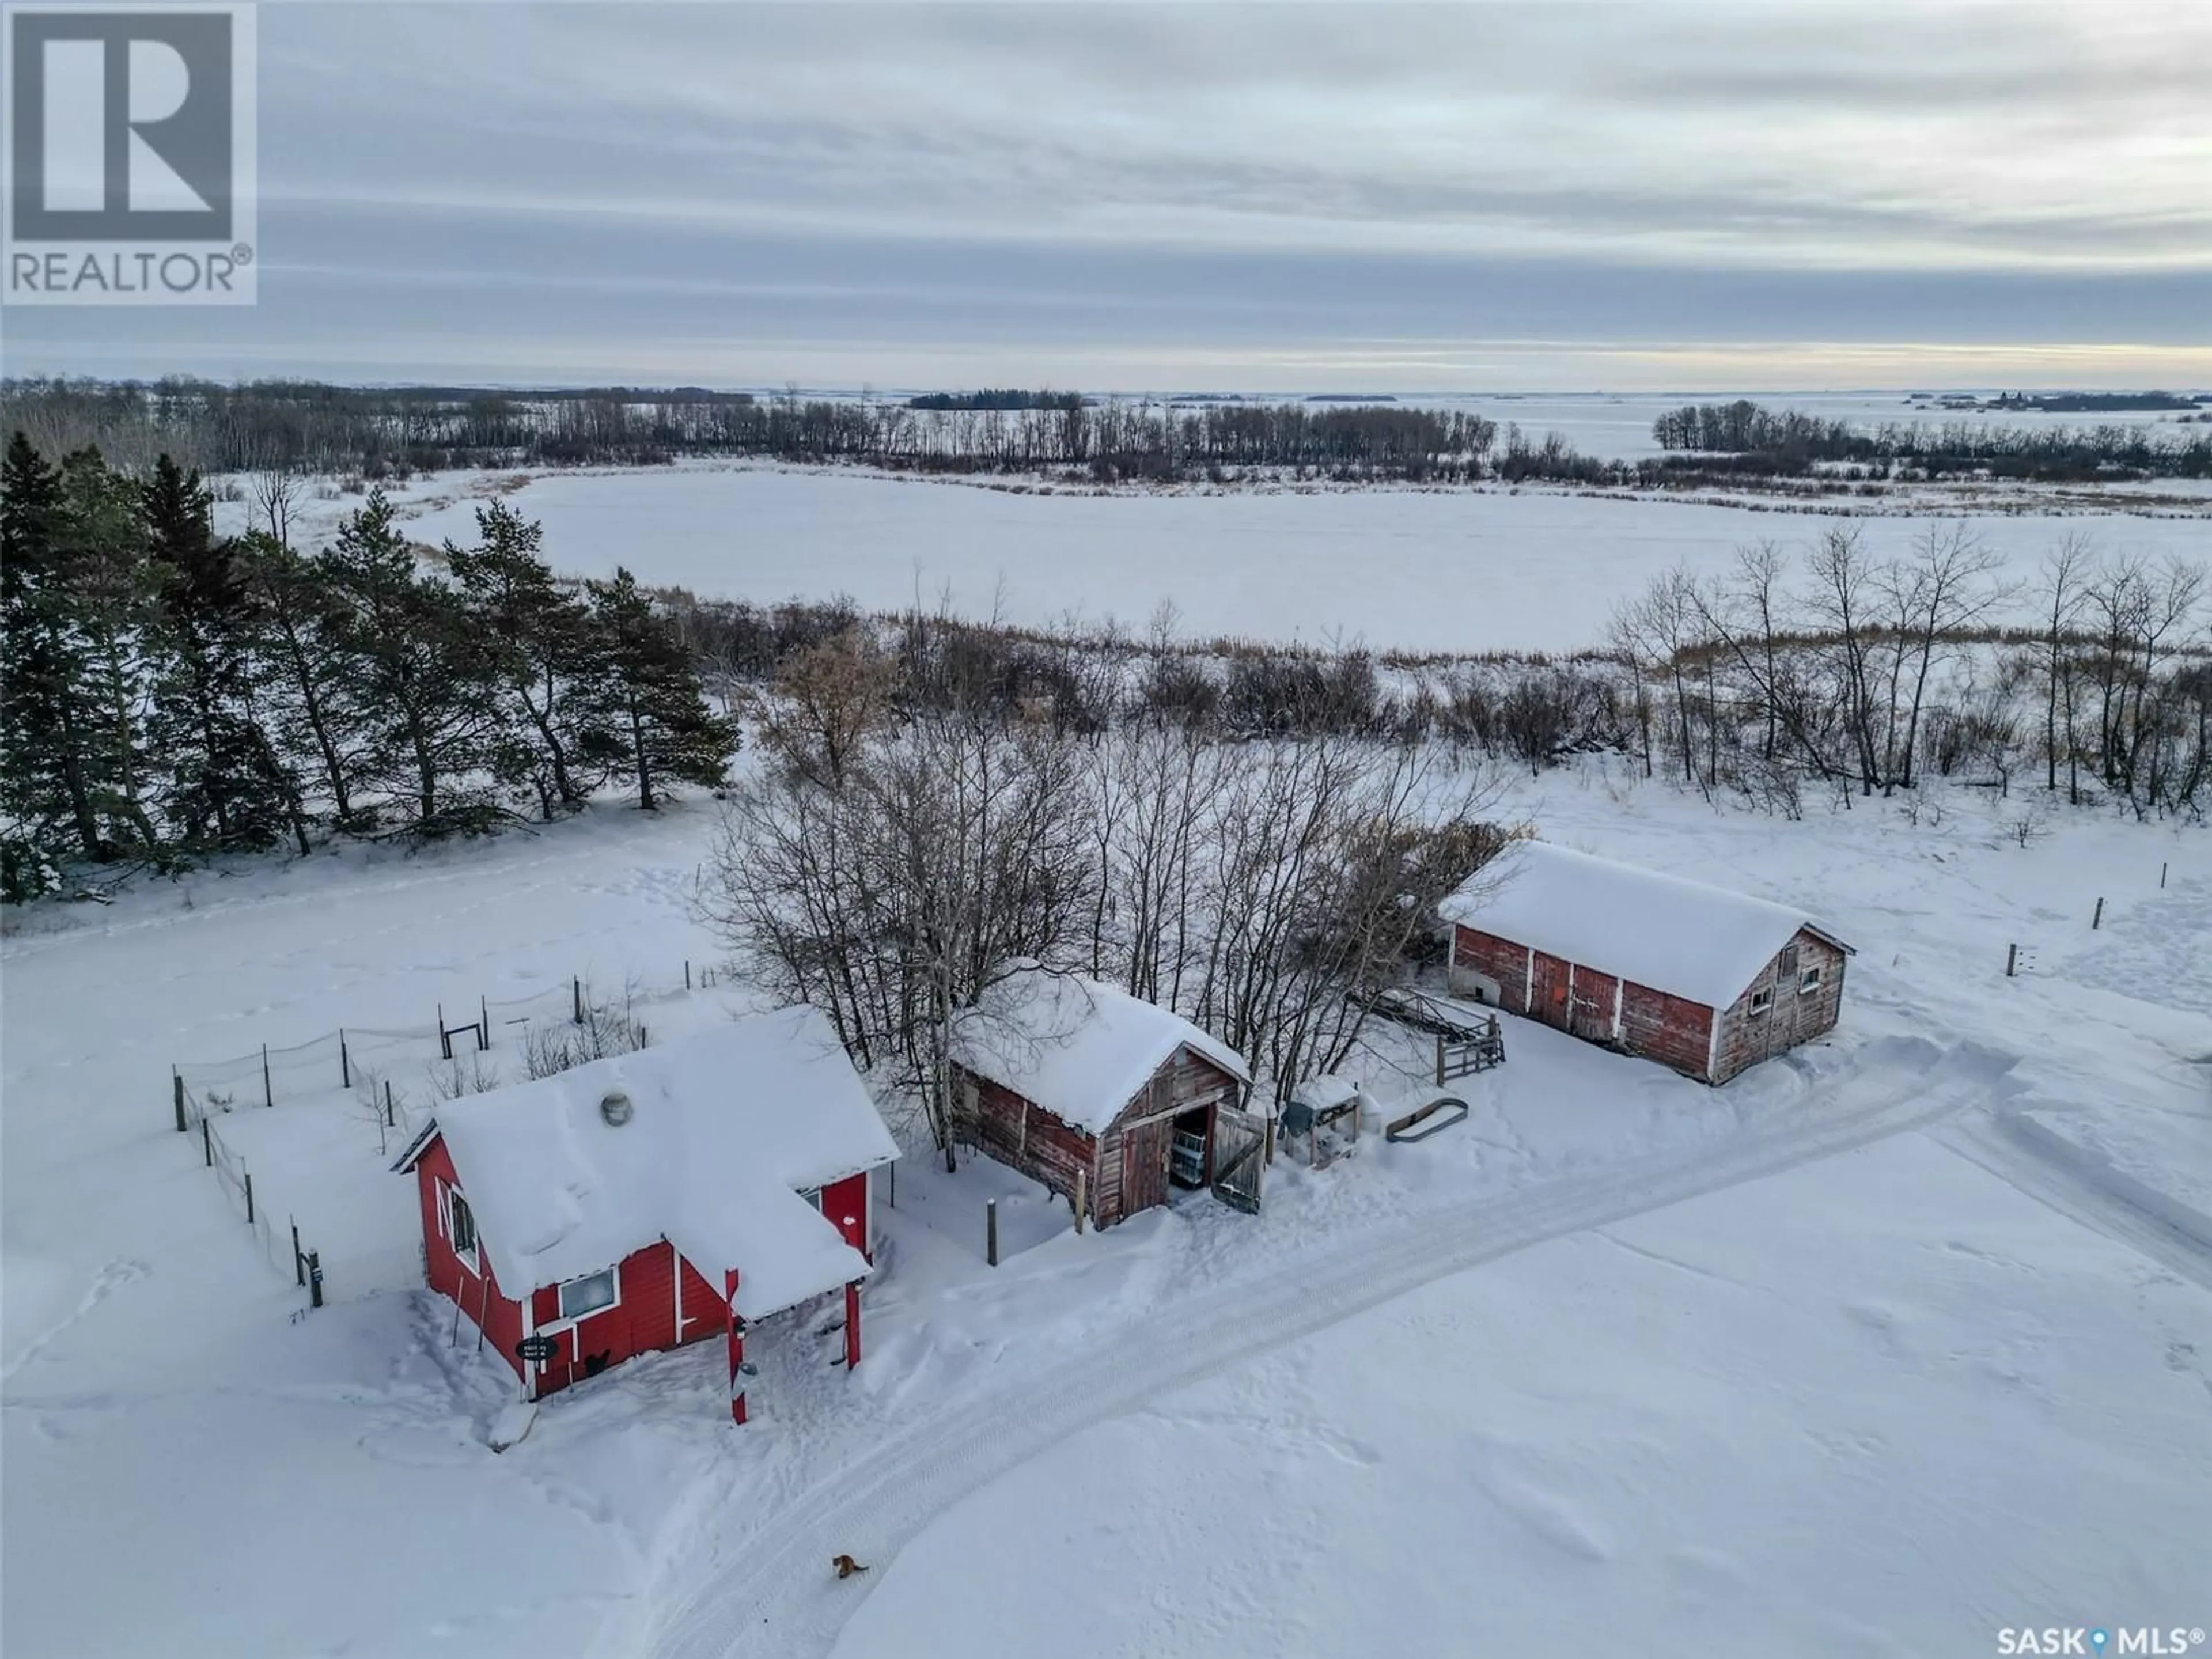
(1455, 571)
(1892, 1371)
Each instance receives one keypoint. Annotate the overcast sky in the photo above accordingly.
(1314, 196)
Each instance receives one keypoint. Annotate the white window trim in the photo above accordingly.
(1759, 1007)
(472, 1257)
(566, 1319)
(1808, 981)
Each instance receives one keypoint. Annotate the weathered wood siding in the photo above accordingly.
(1673, 1030)
(1793, 1017)
(1481, 961)
(1121, 1179)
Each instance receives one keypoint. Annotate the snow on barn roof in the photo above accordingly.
(725, 1129)
(1079, 1049)
(1681, 937)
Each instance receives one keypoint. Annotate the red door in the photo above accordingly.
(1550, 1004)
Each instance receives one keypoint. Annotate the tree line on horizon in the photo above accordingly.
(171, 693)
(377, 434)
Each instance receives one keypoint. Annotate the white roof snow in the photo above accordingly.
(1079, 1049)
(725, 1129)
(1684, 938)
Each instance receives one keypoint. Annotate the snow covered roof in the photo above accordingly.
(1079, 1049)
(1681, 937)
(724, 1130)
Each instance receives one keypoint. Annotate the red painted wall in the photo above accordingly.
(648, 1282)
(475, 1289)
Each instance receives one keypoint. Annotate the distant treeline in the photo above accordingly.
(2090, 403)
(376, 432)
(1785, 442)
(997, 398)
(171, 693)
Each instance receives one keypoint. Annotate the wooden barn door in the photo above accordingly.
(1240, 1140)
(1145, 1165)
(1593, 1006)
(1550, 1004)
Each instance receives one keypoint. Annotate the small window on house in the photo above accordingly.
(1809, 981)
(1761, 1002)
(587, 1294)
(460, 1227)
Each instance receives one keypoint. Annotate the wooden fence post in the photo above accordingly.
(483, 1023)
(248, 1175)
(687, 975)
(445, 1042)
(268, 1094)
(299, 1261)
(890, 1184)
(177, 1096)
(387, 1102)
(991, 1231)
(207, 1143)
(2012, 959)
(1440, 1059)
(2098, 920)
(2161, 875)
(1080, 1195)
(314, 1279)
(577, 991)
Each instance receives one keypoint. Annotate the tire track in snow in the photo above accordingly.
(764, 1588)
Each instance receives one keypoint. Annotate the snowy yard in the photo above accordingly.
(1836, 1359)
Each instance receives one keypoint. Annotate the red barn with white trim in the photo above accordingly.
(629, 1204)
(1706, 980)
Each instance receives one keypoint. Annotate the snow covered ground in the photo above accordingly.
(1923, 1374)
(1453, 571)
(1870, 1405)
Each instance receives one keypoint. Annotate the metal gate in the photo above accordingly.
(1240, 1143)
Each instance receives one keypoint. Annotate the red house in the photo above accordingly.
(633, 1203)
(1706, 980)
(1104, 1098)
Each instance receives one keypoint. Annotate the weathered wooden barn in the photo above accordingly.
(1706, 980)
(1100, 1096)
(634, 1203)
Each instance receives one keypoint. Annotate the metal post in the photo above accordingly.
(387, 1102)
(2012, 959)
(177, 1096)
(345, 1061)
(737, 1346)
(207, 1142)
(2098, 920)
(248, 1175)
(687, 976)
(576, 990)
(1440, 1059)
(2161, 875)
(299, 1261)
(483, 1023)
(314, 1279)
(268, 1094)
(891, 1185)
(445, 1042)
(991, 1231)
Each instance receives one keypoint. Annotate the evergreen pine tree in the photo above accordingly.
(108, 606)
(44, 789)
(227, 786)
(310, 705)
(423, 675)
(654, 691)
(549, 662)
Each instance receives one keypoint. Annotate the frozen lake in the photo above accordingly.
(1444, 571)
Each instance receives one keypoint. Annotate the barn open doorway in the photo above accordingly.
(1190, 1152)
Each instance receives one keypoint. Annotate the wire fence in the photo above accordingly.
(394, 1079)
